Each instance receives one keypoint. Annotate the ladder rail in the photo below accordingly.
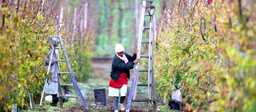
(146, 7)
(82, 98)
(153, 38)
(151, 80)
(135, 78)
(150, 62)
(133, 88)
(48, 70)
(140, 35)
(59, 79)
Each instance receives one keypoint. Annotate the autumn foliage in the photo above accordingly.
(208, 50)
(25, 28)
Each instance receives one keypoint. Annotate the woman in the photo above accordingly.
(120, 74)
(51, 63)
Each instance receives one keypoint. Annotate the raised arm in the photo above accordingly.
(119, 65)
(131, 58)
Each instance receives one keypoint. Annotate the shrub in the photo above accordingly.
(208, 50)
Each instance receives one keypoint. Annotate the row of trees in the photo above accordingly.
(24, 32)
(207, 48)
(115, 24)
(26, 25)
(25, 28)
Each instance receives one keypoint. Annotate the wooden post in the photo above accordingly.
(74, 29)
(83, 24)
(140, 27)
(136, 17)
(60, 21)
(135, 78)
(85, 15)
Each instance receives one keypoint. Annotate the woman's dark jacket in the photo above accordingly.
(119, 66)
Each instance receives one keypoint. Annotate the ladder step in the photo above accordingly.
(146, 28)
(72, 96)
(149, 1)
(145, 42)
(64, 72)
(143, 70)
(142, 85)
(148, 14)
(144, 56)
(62, 61)
(66, 84)
(141, 100)
(150, 7)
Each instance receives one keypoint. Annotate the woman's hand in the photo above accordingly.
(136, 51)
(136, 61)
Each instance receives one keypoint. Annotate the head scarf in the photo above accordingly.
(120, 48)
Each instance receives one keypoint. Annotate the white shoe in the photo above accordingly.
(115, 110)
(122, 107)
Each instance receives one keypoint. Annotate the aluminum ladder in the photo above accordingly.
(72, 77)
(146, 33)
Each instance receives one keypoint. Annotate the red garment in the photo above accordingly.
(120, 82)
(209, 2)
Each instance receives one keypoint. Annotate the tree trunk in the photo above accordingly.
(74, 28)
(42, 5)
(3, 19)
(85, 15)
(60, 20)
(24, 10)
(18, 6)
(240, 12)
(120, 22)
(83, 26)
(110, 21)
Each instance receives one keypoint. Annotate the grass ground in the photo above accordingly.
(98, 80)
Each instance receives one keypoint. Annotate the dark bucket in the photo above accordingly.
(100, 97)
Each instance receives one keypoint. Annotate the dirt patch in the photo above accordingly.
(101, 68)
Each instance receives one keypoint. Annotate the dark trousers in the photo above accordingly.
(55, 99)
(176, 105)
(116, 100)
